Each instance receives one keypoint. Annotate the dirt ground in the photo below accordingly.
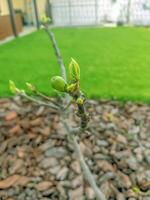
(38, 163)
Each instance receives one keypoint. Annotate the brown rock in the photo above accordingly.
(120, 196)
(131, 194)
(15, 130)
(17, 165)
(105, 166)
(49, 162)
(76, 194)
(48, 144)
(36, 152)
(8, 182)
(62, 191)
(77, 181)
(55, 170)
(25, 123)
(107, 190)
(36, 122)
(44, 185)
(10, 199)
(11, 116)
(121, 139)
(89, 193)
(21, 153)
(145, 185)
(75, 165)
(31, 135)
(85, 149)
(3, 146)
(46, 131)
(62, 174)
(23, 181)
(107, 116)
(125, 180)
(14, 181)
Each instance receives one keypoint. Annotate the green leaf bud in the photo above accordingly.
(58, 83)
(45, 19)
(80, 100)
(136, 189)
(74, 70)
(13, 87)
(72, 88)
(31, 87)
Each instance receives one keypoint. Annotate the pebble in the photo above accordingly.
(105, 166)
(102, 143)
(125, 180)
(90, 193)
(132, 163)
(11, 116)
(75, 165)
(42, 186)
(49, 162)
(55, 170)
(76, 194)
(62, 174)
(47, 145)
(57, 152)
(77, 181)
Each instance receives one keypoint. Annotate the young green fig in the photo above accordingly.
(58, 83)
(74, 70)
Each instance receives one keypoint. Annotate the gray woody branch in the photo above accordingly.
(57, 52)
(84, 120)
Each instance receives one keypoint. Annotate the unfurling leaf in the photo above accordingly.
(45, 19)
(80, 101)
(58, 83)
(13, 87)
(74, 70)
(31, 87)
(72, 88)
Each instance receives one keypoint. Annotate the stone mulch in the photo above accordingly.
(37, 163)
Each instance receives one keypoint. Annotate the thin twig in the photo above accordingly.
(39, 102)
(47, 98)
(68, 105)
(57, 53)
(88, 174)
(58, 56)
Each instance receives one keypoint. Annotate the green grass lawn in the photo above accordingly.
(115, 62)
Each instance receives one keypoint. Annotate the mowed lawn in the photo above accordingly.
(115, 62)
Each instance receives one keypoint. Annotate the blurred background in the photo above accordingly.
(109, 39)
(22, 16)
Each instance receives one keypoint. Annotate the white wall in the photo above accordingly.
(83, 12)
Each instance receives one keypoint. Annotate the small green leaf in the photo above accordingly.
(80, 101)
(13, 87)
(44, 19)
(31, 87)
(72, 88)
(74, 70)
(58, 83)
